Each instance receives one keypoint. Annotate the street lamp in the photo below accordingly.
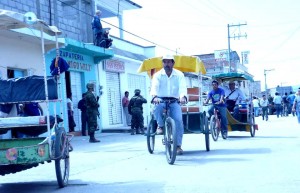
(265, 73)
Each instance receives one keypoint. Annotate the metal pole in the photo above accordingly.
(265, 81)
(229, 57)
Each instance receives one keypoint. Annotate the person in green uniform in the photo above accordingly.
(91, 112)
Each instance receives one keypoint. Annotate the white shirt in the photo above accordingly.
(237, 95)
(255, 102)
(277, 99)
(164, 86)
(263, 103)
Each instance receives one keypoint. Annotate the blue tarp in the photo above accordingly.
(30, 88)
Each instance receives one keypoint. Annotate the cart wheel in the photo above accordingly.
(252, 127)
(62, 161)
(214, 128)
(151, 129)
(170, 140)
(206, 129)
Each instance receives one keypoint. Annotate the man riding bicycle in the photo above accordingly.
(169, 83)
(217, 97)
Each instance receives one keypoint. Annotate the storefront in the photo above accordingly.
(83, 60)
(120, 75)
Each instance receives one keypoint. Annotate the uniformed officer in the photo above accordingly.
(92, 112)
(135, 109)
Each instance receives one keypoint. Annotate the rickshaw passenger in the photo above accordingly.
(217, 97)
(234, 96)
(169, 82)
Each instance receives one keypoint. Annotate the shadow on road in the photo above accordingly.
(38, 187)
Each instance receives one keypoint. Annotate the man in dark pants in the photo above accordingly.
(82, 107)
(97, 28)
(91, 112)
(135, 108)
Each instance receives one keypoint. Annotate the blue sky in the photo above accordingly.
(200, 27)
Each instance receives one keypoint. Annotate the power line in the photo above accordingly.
(149, 41)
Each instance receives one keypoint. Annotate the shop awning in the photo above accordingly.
(98, 53)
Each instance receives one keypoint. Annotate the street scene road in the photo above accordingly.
(269, 162)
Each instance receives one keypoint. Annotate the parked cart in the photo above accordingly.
(27, 147)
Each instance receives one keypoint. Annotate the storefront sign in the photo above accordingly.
(221, 55)
(114, 66)
(75, 61)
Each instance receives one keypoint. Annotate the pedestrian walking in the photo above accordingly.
(271, 104)
(125, 103)
(135, 108)
(285, 104)
(264, 103)
(291, 99)
(91, 112)
(82, 106)
(296, 105)
(277, 102)
(255, 103)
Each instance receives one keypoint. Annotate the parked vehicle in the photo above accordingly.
(19, 153)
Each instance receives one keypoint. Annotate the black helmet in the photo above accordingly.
(137, 91)
(89, 85)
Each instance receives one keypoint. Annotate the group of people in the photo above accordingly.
(282, 105)
(133, 110)
(100, 35)
(89, 112)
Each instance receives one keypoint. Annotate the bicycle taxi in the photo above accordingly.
(244, 120)
(194, 118)
(43, 139)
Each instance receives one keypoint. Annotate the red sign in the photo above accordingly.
(114, 66)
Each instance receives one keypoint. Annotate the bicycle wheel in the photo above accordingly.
(62, 161)
(214, 128)
(206, 132)
(151, 129)
(170, 139)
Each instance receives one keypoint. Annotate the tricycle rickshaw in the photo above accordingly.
(33, 140)
(244, 120)
(194, 120)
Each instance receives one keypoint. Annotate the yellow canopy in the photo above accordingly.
(182, 63)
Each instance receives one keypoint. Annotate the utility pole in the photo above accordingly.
(265, 73)
(234, 36)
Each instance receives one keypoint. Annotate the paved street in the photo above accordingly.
(269, 162)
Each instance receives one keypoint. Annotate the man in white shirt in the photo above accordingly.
(264, 103)
(169, 83)
(234, 96)
(234, 93)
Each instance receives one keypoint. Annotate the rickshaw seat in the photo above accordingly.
(193, 96)
(232, 120)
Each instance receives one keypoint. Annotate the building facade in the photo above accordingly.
(112, 75)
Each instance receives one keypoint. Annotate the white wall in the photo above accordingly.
(18, 54)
